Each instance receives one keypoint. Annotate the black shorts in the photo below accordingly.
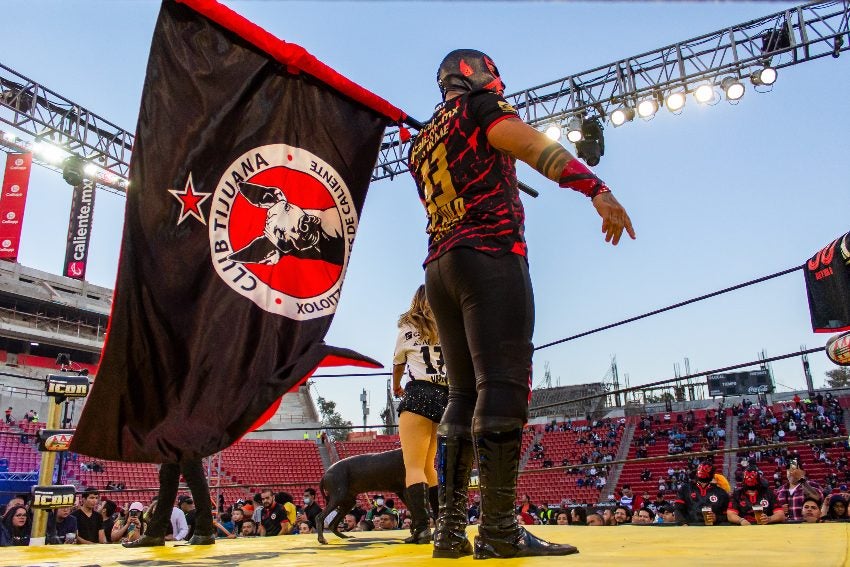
(425, 399)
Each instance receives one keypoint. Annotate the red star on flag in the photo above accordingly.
(190, 201)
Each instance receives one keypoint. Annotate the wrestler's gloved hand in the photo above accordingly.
(579, 177)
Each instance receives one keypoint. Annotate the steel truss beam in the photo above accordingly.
(786, 38)
(46, 115)
(805, 33)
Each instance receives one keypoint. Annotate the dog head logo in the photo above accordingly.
(281, 229)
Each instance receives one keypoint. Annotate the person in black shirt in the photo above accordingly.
(109, 513)
(311, 508)
(271, 523)
(61, 527)
(702, 493)
(754, 492)
(478, 285)
(89, 521)
(16, 527)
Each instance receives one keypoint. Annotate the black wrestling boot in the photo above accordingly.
(197, 539)
(145, 541)
(169, 478)
(434, 501)
(454, 462)
(193, 472)
(497, 445)
(417, 503)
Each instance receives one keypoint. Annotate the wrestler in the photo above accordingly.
(424, 400)
(477, 282)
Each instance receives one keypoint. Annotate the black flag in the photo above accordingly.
(827, 276)
(249, 171)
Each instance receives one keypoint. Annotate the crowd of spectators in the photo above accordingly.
(681, 435)
(773, 485)
(595, 444)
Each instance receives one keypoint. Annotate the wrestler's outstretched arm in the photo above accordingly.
(518, 139)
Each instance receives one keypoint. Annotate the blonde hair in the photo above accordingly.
(420, 317)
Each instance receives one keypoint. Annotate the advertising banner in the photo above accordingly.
(13, 199)
(79, 230)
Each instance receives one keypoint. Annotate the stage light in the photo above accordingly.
(592, 147)
(50, 152)
(622, 115)
(766, 76)
(9, 137)
(675, 101)
(574, 129)
(647, 108)
(72, 170)
(90, 169)
(704, 94)
(733, 88)
(553, 132)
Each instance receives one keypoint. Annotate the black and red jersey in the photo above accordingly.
(743, 501)
(828, 286)
(469, 188)
(691, 498)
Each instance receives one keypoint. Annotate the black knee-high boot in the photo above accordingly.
(434, 501)
(169, 478)
(454, 464)
(417, 503)
(497, 444)
(196, 478)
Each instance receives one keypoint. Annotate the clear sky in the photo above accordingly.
(718, 194)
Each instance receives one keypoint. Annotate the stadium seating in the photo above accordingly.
(631, 472)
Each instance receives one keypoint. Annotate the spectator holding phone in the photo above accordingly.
(131, 528)
(793, 493)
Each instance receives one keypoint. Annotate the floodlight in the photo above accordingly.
(574, 129)
(766, 76)
(675, 101)
(553, 132)
(622, 115)
(733, 88)
(90, 169)
(50, 152)
(704, 93)
(592, 145)
(647, 108)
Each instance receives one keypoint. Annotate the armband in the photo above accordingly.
(578, 177)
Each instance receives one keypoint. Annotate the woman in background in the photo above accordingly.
(16, 527)
(424, 400)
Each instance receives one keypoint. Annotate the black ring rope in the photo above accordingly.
(670, 307)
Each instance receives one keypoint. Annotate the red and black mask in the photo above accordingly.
(468, 70)
(751, 478)
(705, 472)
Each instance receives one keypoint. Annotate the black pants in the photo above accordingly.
(484, 307)
(169, 480)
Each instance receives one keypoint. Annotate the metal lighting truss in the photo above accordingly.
(786, 38)
(44, 115)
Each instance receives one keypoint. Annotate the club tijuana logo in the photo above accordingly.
(281, 229)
